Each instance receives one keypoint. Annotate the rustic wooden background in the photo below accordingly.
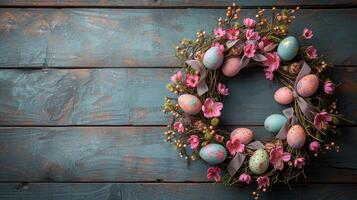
(81, 88)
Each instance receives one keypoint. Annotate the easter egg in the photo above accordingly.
(296, 136)
(213, 153)
(190, 104)
(213, 58)
(245, 135)
(231, 67)
(288, 48)
(308, 85)
(259, 161)
(284, 96)
(274, 122)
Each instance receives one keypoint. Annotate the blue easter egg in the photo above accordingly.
(274, 122)
(213, 58)
(213, 153)
(288, 48)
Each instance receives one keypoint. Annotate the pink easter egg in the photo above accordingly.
(284, 96)
(189, 104)
(245, 135)
(231, 67)
(296, 136)
(308, 85)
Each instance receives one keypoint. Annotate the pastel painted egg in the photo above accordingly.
(245, 135)
(296, 136)
(231, 66)
(308, 85)
(288, 48)
(274, 122)
(190, 104)
(213, 58)
(284, 96)
(259, 161)
(213, 153)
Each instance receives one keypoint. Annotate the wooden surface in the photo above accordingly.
(81, 92)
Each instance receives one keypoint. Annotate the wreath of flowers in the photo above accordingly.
(208, 60)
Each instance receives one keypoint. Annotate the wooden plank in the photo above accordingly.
(88, 154)
(134, 96)
(139, 38)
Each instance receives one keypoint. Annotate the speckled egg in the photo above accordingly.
(259, 161)
(288, 48)
(274, 122)
(213, 153)
(231, 66)
(296, 136)
(284, 96)
(308, 85)
(213, 58)
(245, 135)
(190, 104)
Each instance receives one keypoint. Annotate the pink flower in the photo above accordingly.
(307, 33)
(219, 32)
(268, 74)
(192, 80)
(329, 87)
(194, 141)
(211, 108)
(272, 62)
(278, 157)
(311, 52)
(234, 146)
(219, 138)
(249, 50)
(176, 77)
(219, 45)
(250, 34)
(314, 146)
(245, 178)
(299, 162)
(222, 89)
(263, 182)
(321, 120)
(250, 23)
(266, 45)
(214, 173)
(178, 126)
(232, 34)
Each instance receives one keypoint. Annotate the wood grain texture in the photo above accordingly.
(139, 37)
(121, 154)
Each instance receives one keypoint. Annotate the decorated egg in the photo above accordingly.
(284, 96)
(308, 85)
(213, 153)
(259, 161)
(231, 67)
(190, 104)
(213, 58)
(288, 48)
(296, 136)
(274, 122)
(245, 135)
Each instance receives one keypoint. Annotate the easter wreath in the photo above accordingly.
(300, 132)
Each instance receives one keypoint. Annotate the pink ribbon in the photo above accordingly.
(198, 66)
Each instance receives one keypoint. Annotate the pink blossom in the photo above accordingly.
(222, 89)
(194, 141)
(232, 34)
(178, 126)
(269, 74)
(321, 120)
(250, 23)
(311, 52)
(176, 77)
(245, 178)
(219, 45)
(250, 34)
(234, 146)
(329, 87)
(249, 50)
(266, 45)
(219, 32)
(278, 157)
(192, 80)
(214, 173)
(263, 181)
(219, 138)
(211, 108)
(299, 162)
(314, 146)
(307, 33)
(272, 62)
